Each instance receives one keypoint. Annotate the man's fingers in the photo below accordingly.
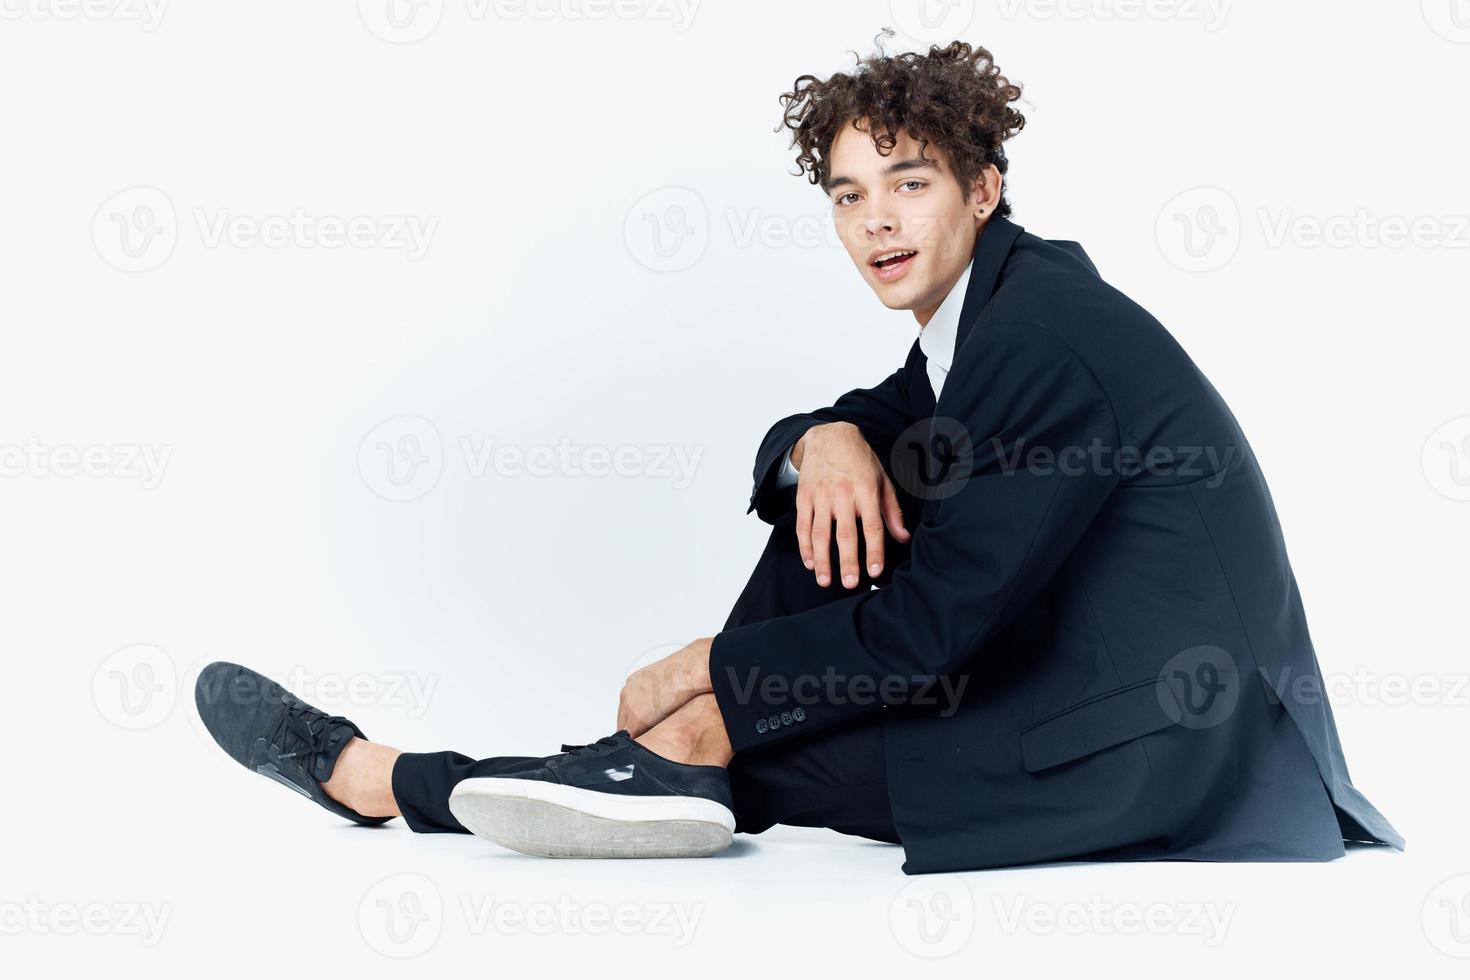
(822, 542)
(804, 529)
(892, 512)
(847, 542)
(871, 515)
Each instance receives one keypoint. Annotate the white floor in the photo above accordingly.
(188, 866)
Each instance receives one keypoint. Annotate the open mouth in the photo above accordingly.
(891, 265)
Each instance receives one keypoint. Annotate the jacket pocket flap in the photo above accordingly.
(1098, 723)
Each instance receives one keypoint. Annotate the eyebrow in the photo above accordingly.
(899, 166)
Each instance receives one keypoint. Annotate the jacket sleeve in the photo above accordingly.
(1022, 492)
(881, 412)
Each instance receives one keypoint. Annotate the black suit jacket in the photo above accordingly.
(1094, 645)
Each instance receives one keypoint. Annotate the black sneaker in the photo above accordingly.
(269, 730)
(610, 799)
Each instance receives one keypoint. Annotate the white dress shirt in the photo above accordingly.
(936, 340)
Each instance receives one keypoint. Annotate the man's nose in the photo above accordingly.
(879, 224)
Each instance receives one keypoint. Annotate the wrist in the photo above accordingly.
(817, 432)
(696, 678)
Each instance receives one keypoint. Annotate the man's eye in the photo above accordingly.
(916, 184)
(842, 198)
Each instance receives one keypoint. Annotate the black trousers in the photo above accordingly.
(833, 778)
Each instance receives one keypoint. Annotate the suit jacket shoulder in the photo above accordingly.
(1157, 394)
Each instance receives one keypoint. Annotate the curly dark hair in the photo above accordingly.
(953, 97)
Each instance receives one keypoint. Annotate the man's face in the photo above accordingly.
(902, 203)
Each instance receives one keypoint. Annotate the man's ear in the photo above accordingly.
(985, 190)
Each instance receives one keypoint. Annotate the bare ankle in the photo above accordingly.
(363, 778)
(694, 735)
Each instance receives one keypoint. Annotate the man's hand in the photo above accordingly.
(652, 693)
(842, 483)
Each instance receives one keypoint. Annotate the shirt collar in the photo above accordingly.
(937, 337)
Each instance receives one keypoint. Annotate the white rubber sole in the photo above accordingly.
(552, 820)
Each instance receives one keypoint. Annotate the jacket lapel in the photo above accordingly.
(992, 247)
